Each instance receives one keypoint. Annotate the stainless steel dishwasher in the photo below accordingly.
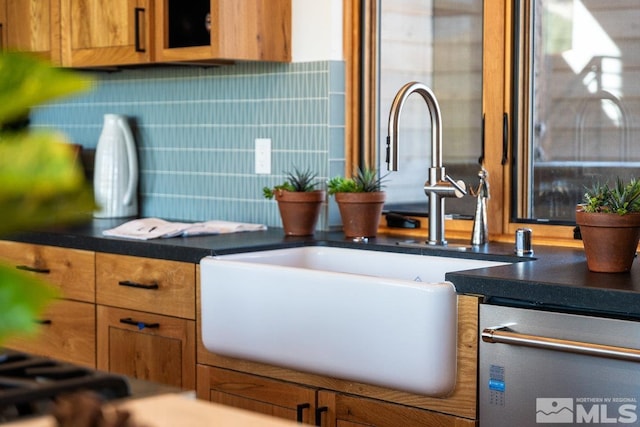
(549, 368)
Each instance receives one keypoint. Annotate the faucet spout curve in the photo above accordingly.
(393, 138)
(439, 185)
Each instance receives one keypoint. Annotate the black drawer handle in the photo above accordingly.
(139, 15)
(44, 322)
(319, 412)
(300, 411)
(140, 325)
(33, 269)
(138, 285)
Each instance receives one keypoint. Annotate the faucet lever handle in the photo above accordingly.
(460, 186)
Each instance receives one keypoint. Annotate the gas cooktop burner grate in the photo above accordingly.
(29, 384)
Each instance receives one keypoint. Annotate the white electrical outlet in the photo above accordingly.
(263, 156)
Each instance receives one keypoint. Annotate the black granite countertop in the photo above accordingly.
(553, 278)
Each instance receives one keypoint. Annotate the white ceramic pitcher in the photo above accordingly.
(115, 179)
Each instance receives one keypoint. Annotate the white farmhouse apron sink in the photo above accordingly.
(381, 318)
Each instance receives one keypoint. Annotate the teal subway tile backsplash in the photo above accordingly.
(195, 129)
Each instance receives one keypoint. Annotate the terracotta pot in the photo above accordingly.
(299, 211)
(360, 213)
(610, 240)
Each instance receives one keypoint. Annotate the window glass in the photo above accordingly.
(579, 100)
(438, 43)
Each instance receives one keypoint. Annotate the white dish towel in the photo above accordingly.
(154, 228)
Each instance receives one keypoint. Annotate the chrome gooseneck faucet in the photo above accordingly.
(439, 185)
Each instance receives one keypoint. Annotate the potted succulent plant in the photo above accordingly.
(299, 202)
(609, 221)
(360, 199)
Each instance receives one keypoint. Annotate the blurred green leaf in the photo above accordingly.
(26, 81)
(41, 182)
(22, 298)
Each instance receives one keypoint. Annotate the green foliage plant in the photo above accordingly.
(363, 181)
(297, 181)
(622, 198)
(41, 182)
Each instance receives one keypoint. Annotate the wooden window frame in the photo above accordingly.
(361, 23)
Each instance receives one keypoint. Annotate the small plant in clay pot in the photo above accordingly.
(299, 202)
(360, 199)
(609, 221)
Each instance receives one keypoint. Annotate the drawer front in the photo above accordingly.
(145, 284)
(258, 394)
(67, 333)
(147, 346)
(73, 270)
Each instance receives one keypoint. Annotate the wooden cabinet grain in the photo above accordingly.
(258, 394)
(62, 336)
(146, 319)
(147, 346)
(31, 26)
(310, 405)
(343, 410)
(72, 270)
(249, 30)
(146, 284)
(106, 33)
(95, 33)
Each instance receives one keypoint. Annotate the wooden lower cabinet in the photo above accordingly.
(70, 338)
(147, 346)
(259, 394)
(73, 271)
(67, 331)
(342, 410)
(310, 405)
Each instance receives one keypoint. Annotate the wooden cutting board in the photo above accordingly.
(171, 410)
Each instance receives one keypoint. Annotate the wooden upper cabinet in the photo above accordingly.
(3, 24)
(31, 26)
(98, 33)
(219, 30)
(103, 33)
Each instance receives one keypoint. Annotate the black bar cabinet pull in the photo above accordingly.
(33, 269)
(140, 325)
(505, 138)
(137, 285)
(300, 411)
(319, 412)
(44, 321)
(138, 12)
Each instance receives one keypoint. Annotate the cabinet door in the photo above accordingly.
(31, 26)
(255, 393)
(99, 33)
(341, 410)
(3, 24)
(67, 332)
(145, 284)
(72, 270)
(147, 346)
(219, 30)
